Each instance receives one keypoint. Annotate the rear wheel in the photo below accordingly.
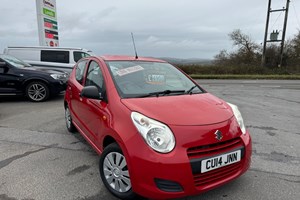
(114, 172)
(69, 123)
(37, 91)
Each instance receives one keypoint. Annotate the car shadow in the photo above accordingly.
(18, 99)
(12, 99)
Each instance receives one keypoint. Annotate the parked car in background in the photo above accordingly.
(20, 78)
(160, 135)
(59, 58)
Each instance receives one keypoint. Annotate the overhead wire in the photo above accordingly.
(276, 20)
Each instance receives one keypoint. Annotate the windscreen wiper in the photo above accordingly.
(191, 89)
(162, 93)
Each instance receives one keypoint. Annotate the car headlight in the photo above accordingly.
(59, 76)
(156, 134)
(238, 117)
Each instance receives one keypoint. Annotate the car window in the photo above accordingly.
(80, 68)
(94, 76)
(79, 54)
(14, 61)
(55, 56)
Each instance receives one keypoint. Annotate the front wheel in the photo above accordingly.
(37, 91)
(69, 122)
(114, 172)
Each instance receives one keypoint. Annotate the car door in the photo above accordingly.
(10, 79)
(94, 112)
(74, 88)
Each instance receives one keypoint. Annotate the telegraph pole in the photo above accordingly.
(263, 62)
(275, 34)
(284, 31)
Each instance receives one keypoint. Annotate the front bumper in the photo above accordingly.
(163, 176)
(58, 86)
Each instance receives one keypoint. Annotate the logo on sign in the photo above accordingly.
(48, 4)
(48, 12)
(219, 135)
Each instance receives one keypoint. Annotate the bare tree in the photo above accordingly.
(292, 51)
(243, 41)
(296, 45)
(249, 53)
(221, 58)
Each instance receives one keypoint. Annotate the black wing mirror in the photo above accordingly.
(3, 64)
(91, 92)
(3, 67)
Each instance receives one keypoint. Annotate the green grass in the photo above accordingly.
(241, 72)
(246, 76)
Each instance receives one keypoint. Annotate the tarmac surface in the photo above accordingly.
(41, 160)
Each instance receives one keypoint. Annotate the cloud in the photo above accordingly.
(183, 29)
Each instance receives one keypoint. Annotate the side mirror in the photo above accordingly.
(91, 92)
(3, 67)
(3, 64)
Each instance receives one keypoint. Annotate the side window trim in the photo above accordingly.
(80, 75)
(99, 77)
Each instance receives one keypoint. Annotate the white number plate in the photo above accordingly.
(220, 161)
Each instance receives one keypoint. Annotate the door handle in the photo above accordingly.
(80, 96)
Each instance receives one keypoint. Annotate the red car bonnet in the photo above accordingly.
(182, 110)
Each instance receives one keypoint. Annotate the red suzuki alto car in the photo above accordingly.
(159, 134)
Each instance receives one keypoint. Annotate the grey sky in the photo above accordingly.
(162, 28)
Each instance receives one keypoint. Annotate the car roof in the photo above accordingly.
(129, 58)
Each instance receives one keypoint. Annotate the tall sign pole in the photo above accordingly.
(47, 23)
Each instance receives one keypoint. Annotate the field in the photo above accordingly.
(240, 72)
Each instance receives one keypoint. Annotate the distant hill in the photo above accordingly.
(187, 61)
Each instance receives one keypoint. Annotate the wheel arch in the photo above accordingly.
(108, 140)
(28, 81)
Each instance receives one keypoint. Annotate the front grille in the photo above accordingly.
(207, 150)
(198, 153)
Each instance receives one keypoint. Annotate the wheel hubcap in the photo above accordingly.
(68, 117)
(116, 172)
(37, 92)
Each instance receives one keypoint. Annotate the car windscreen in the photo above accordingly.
(134, 79)
(14, 61)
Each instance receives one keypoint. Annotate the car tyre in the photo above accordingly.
(69, 122)
(114, 172)
(37, 91)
